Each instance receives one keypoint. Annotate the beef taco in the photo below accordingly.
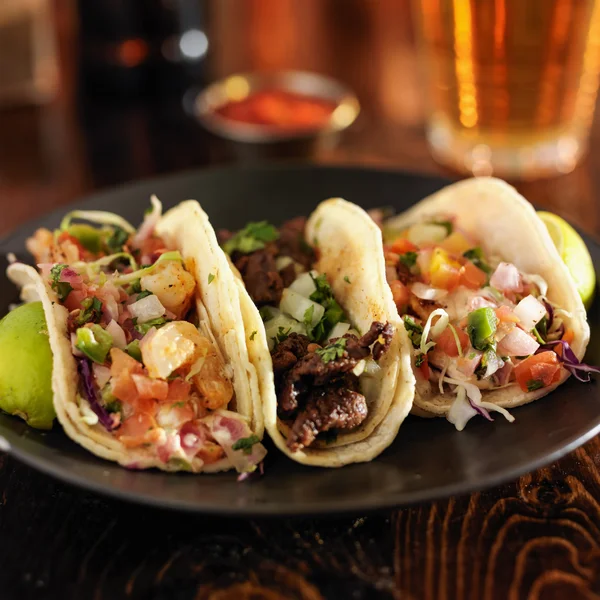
(143, 373)
(336, 376)
(493, 314)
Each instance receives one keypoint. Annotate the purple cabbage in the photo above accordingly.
(550, 312)
(480, 410)
(259, 472)
(87, 379)
(569, 359)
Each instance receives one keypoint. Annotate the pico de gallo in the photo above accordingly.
(150, 372)
(476, 322)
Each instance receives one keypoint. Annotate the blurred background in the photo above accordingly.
(99, 92)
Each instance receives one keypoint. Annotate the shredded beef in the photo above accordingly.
(258, 270)
(331, 408)
(318, 396)
(264, 282)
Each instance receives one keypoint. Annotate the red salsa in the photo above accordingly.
(280, 109)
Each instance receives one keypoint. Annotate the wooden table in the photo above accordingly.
(538, 537)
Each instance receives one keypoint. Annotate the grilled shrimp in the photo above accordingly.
(173, 286)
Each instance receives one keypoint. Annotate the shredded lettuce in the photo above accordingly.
(97, 216)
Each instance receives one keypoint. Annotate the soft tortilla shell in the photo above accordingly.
(506, 225)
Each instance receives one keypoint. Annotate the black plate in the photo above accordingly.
(428, 460)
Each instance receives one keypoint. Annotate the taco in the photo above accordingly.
(143, 374)
(493, 314)
(335, 361)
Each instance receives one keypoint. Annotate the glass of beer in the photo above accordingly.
(511, 84)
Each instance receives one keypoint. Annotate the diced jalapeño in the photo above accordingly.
(481, 327)
(94, 342)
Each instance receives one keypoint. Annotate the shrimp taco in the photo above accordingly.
(335, 361)
(143, 373)
(493, 314)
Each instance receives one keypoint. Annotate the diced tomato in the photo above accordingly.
(506, 315)
(179, 390)
(401, 295)
(537, 371)
(402, 246)
(471, 276)
(123, 387)
(447, 343)
(75, 298)
(445, 277)
(134, 430)
(148, 387)
(424, 368)
(121, 361)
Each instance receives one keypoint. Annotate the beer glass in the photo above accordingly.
(511, 84)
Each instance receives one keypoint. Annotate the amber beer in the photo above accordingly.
(511, 84)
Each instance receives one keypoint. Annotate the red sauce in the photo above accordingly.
(280, 109)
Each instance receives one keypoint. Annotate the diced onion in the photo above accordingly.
(338, 330)
(147, 308)
(304, 285)
(286, 324)
(296, 306)
(101, 374)
(530, 312)
(359, 368)
(506, 278)
(281, 262)
(118, 335)
(426, 233)
(371, 368)
(517, 343)
(426, 292)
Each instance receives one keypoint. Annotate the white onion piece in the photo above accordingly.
(426, 233)
(110, 308)
(506, 278)
(304, 285)
(372, 369)
(517, 343)
(101, 374)
(494, 364)
(118, 335)
(147, 308)
(286, 324)
(296, 306)
(426, 292)
(530, 312)
(359, 368)
(338, 330)
(281, 262)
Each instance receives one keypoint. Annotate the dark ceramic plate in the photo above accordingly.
(428, 460)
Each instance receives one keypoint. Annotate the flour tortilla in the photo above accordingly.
(181, 228)
(506, 225)
(350, 246)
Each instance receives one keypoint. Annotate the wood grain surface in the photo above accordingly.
(538, 537)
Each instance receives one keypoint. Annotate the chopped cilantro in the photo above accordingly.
(419, 359)
(414, 330)
(252, 335)
(409, 259)
(334, 313)
(347, 279)
(114, 407)
(542, 328)
(332, 351)
(282, 335)
(91, 311)
(117, 240)
(135, 287)
(245, 444)
(143, 328)
(534, 384)
(308, 317)
(62, 288)
(475, 255)
(211, 278)
(253, 237)
(143, 294)
(178, 404)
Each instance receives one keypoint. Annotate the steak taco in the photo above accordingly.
(143, 373)
(335, 360)
(494, 317)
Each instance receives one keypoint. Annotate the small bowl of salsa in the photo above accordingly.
(280, 113)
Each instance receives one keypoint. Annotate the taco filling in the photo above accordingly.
(320, 360)
(150, 371)
(476, 322)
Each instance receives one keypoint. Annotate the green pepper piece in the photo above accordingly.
(133, 349)
(94, 342)
(90, 237)
(481, 327)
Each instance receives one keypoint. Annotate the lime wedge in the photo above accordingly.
(574, 252)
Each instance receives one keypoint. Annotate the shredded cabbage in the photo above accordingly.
(101, 217)
(130, 277)
(436, 330)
